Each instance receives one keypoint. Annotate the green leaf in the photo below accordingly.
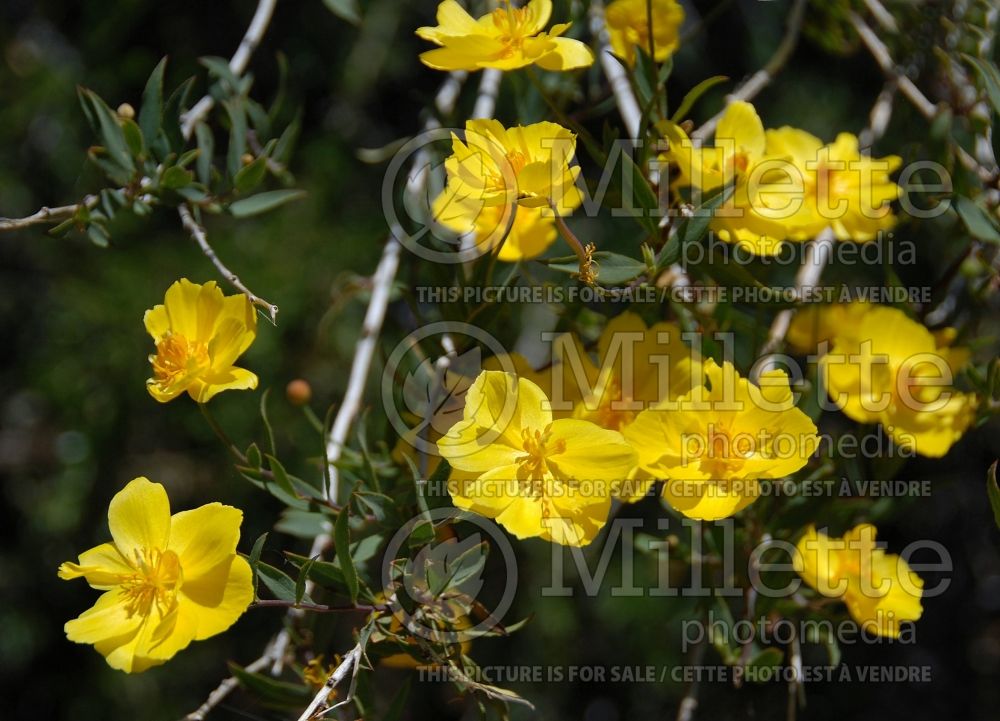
(694, 94)
(977, 221)
(267, 423)
(151, 112)
(990, 76)
(300, 582)
(993, 492)
(253, 456)
(236, 111)
(206, 144)
(648, 202)
(98, 236)
(615, 268)
(254, 560)
(263, 202)
(270, 691)
(176, 177)
(107, 127)
(172, 109)
(694, 228)
(133, 138)
(342, 545)
(250, 176)
(345, 10)
(219, 68)
(279, 583)
(280, 476)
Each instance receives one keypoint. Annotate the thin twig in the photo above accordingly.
(760, 80)
(911, 92)
(314, 607)
(486, 100)
(349, 664)
(628, 106)
(47, 215)
(238, 64)
(879, 117)
(382, 280)
(197, 232)
(817, 255)
(689, 704)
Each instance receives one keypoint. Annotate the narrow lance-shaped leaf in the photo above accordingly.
(342, 544)
(151, 112)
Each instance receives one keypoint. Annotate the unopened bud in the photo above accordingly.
(247, 159)
(126, 112)
(298, 392)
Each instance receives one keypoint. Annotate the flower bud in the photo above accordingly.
(126, 112)
(298, 392)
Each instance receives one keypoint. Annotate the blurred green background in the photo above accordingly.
(76, 422)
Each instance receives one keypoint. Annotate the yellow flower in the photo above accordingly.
(531, 230)
(714, 443)
(537, 476)
(879, 588)
(628, 28)
(787, 183)
(891, 370)
(167, 580)
(815, 324)
(528, 165)
(636, 368)
(506, 39)
(199, 334)
(849, 192)
(739, 148)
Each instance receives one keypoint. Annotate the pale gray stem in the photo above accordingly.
(489, 87)
(382, 281)
(47, 215)
(238, 64)
(817, 256)
(625, 99)
(317, 707)
(197, 232)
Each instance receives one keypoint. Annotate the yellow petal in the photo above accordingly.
(108, 619)
(139, 517)
(204, 537)
(741, 126)
(452, 20)
(233, 378)
(538, 13)
(219, 597)
(568, 54)
(591, 453)
(102, 566)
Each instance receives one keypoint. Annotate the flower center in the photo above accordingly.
(724, 456)
(176, 356)
(154, 584)
(612, 412)
(538, 448)
(510, 23)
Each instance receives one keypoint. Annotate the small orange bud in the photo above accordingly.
(298, 392)
(126, 112)
(247, 159)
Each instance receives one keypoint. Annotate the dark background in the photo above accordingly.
(76, 422)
